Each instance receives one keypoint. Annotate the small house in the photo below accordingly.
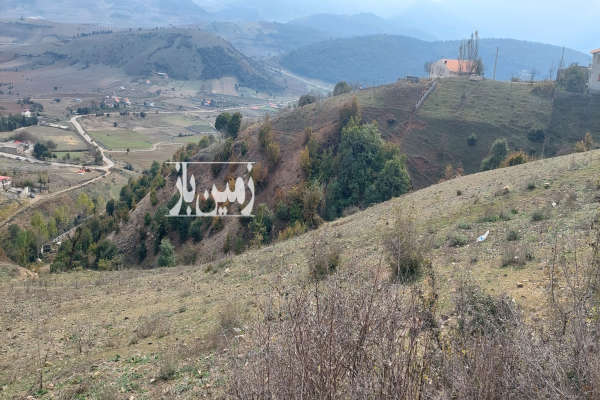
(447, 68)
(5, 182)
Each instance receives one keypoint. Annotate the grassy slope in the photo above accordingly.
(103, 308)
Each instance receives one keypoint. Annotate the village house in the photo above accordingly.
(594, 84)
(18, 193)
(446, 68)
(15, 147)
(5, 182)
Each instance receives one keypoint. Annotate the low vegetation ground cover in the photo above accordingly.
(101, 312)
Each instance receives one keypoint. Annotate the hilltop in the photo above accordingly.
(453, 130)
(183, 54)
(379, 59)
(130, 328)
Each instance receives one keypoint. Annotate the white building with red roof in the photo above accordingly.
(5, 182)
(594, 85)
(446, 68)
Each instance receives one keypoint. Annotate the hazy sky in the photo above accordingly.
(574, 23)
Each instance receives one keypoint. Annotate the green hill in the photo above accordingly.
(186, 54)
(374, 60)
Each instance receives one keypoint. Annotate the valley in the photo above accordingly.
(278, 200)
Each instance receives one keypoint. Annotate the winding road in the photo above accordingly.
(105, 168)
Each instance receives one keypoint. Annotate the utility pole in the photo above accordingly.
(496, 62)
(561, 65)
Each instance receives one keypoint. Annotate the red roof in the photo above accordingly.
(458, 66)
(4, 178)
(595, 51)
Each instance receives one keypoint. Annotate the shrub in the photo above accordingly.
(157, 325)
(457, 240)
(405, 251)
(536, 135)
(273, 153)
(516, 158)
(539, 215)
(543, 89)
(464, 226)
(341, 88)
(517, 255)
(305, 162)
(290, 231)
(337, 343)
(586, 144)
(166, 257)
(531, 186)
(188, 257)
(167, 368)
(512, 236)
(306, 100)
(497, 154)
(492, 214)
(472, 139)
(229, 323)
(324, 257)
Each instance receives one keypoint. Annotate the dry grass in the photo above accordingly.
(112, 305)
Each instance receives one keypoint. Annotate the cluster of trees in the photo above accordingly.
(499, 156)
(88, 247)
(468, 55)
(12, 122)
(573, 79)
(358, 168)
(341, 88)
(229, 124)
(33, 106)
(41, 150)
(23, 246)
(306, 100)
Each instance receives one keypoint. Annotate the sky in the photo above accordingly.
(574, 23)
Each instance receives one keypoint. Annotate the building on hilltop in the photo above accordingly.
(594, 83)
(5, 182)
(446, 68)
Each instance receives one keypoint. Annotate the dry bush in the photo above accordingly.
(167, 367)
(405, 249)
(340, 340)
(155, 325)
(229, 323)
(517, 255)
(354, 337)
(324, 256)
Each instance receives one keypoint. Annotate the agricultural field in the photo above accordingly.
(137, 133)
(59, 177)
(66, 140)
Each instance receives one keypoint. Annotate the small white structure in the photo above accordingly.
(594, 84)
(18, 193)
(5, 182)
(26, 114)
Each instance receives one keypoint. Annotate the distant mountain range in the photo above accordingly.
(379, 59)
(342, 26)
(129, 13)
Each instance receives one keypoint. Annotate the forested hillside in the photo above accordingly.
(378, 59)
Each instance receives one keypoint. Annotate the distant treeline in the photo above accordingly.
(13, 122)
(93, 33)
